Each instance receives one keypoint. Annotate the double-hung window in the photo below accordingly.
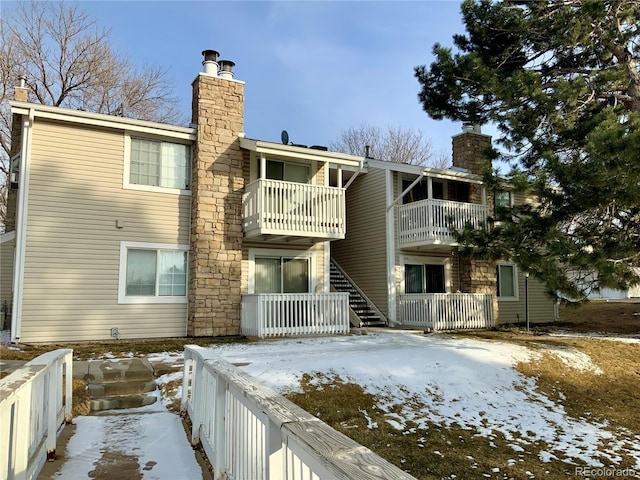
(424, 278)
(501, 203)
(154, 163)
(281, 275)
(507, 282)
(153, 273)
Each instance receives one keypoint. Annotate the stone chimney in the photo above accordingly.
(20, 94)
(469, 147)
(215, 263)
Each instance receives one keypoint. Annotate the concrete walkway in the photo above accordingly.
(134, 444)
(148, 442)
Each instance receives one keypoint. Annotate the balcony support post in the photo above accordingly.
(263, 166)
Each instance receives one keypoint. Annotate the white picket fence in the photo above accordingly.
(274, 207)
(250, 432)
(447, 311)
(291, 314)
(429, 222)
(34, 402)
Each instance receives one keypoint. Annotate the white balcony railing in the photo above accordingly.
(290, 314)
(34, 401)
(447, 311)
(429, 222)
(274, 207)
(248, 431)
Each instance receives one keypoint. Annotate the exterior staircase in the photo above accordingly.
(119, 383)
(360, 307)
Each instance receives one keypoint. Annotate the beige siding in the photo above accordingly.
(541, 306)
(73, 244)
(362, 254)
(7, 245)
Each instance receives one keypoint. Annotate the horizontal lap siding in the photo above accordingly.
(73, 245)
(362, 254)
(541, 306)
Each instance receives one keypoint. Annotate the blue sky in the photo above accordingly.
(312, 68)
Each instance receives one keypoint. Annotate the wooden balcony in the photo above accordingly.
(446, 311)
(429, 222)
(277, 210)
(292, 314)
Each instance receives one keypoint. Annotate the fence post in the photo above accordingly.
(196, 420)
(187, 382)
(68, 387)
(220, 427)
(22, 432)
(53, 376)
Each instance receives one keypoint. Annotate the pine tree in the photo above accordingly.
(561, 81)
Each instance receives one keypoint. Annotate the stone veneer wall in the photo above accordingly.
(215, 263)
(476, 276)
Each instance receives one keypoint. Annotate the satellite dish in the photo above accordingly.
(284, 136)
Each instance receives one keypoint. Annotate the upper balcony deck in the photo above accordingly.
(275, 209)
(430, 222)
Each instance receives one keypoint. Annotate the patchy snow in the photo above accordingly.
(572, 358)
(462, 381)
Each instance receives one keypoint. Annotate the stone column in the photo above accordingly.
(469, 147)
(215, 264)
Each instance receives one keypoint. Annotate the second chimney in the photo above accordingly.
(226, 69)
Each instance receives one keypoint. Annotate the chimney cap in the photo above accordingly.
(470, 127)
(227, 65)
(210, 55)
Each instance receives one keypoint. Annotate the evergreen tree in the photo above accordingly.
(561, 80)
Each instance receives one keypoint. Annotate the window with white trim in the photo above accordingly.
(153, 273)
(281, 275)
(507, 276)
(154, 163)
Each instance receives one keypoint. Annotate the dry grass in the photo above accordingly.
(170, 390)
(81, 397)
(600, 317)
(117, 348)
(429, 453)
(439, 452)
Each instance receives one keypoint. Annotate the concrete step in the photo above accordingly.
(117, 383)
(118, 402)
(115, 370)
(131, 387)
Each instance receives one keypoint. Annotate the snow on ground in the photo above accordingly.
(572, 358)
(5, 337)
(151, 435)
(460, 381)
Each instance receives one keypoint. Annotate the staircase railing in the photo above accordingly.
(362, 294)
(34, 401)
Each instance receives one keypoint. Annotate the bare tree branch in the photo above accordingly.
(395, 144)
(68, 61)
